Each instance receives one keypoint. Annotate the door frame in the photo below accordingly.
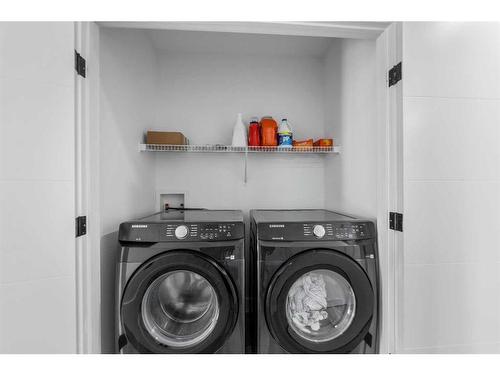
(390, 185)
(86, 190)
(81, 192)
(389, 159)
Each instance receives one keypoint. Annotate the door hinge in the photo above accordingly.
(80, 65)
(396, 221)
(395, 74)
(81, 226)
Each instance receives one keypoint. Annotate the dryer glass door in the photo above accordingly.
(319, 301)
(320, 305)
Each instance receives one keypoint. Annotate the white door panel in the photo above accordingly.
(450, 289)
(37, 188)
(38, 316)
(453, 304)
(36, 231)
(450, 222)
(37, 51)
(34, 142)
(452, 139)
(452, 59)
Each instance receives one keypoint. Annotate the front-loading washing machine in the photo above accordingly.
(316, 284)
(180, 284)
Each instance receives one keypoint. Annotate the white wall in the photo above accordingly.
(127, 102)
(451, 91)
(128, 68)
(37, 172)
(200, 95)
(351, 118)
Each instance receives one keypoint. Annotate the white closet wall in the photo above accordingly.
(325, 87)
(351, 118)
(202, 88)
(127, 102)
(128, 98)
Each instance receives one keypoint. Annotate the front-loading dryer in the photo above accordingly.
(316, 288)
(180, 284)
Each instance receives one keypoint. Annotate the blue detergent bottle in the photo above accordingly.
(285, 138)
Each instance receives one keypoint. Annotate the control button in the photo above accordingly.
(181, 232)
(319, 231)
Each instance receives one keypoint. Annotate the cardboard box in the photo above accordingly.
(165, 138)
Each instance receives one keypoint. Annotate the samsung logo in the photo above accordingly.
(276, 225)
(139, 226)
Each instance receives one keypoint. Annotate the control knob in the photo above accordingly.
(181, 232)
(319, 231)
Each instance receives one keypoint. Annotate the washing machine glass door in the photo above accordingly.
(179, 302)
(180, 308)
(321, 301)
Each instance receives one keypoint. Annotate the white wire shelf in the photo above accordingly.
(232, 149)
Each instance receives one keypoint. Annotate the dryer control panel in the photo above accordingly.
(330, 231)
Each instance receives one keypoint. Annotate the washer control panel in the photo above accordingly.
(143, 231)
(217, 231)
(350, 231)
(332, 231)
(203, 231)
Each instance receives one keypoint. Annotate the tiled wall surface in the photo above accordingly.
(37, 244)
(451, 95)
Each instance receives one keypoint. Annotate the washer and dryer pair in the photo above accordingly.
(306, 284)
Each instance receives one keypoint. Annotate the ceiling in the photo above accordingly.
(331, 29)
(176, 41)
(311, 39)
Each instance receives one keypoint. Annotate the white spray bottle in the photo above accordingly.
(239, 133)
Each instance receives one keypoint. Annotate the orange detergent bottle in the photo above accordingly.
(269, 130)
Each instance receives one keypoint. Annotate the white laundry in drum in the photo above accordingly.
(307, 302)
